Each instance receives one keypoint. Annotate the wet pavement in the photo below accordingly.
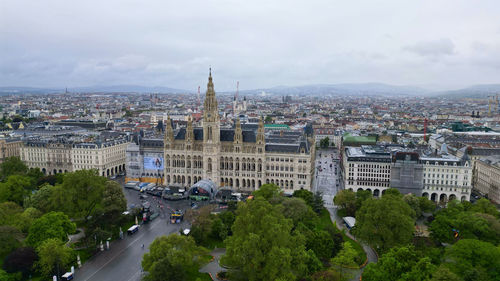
(123, 260)
(327, 175)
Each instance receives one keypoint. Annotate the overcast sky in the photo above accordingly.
(432, 43)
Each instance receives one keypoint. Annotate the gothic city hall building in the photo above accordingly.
(241, 156)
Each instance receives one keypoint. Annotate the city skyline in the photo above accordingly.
(438, 46)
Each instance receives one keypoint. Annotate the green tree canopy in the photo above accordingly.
(15, 189)
(346, 258)
(465, 219)
(297, 210)
(12, 166)
(268, 191)
(10, 239)
(54, 257)
(263, 246)
(83, 193)
(175, 252)
(42, 199)
(346, 200)
(113, 201)
(443, 273)
(51, 225)
(401, 263)
(324, 142)
(384, 223)
(474, 260)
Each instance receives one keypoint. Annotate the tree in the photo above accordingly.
(83, 192)
(218, 229)
(297, 210)
(12, 166)
(113, 201)
(414, 203)
(10, 239)
(41, 199)
(324, 142)
(177, 252)
(201, 223)
(306, 195)
(443, 273)
(345, 258)
(228, 218)
(401, 263)
(321, 243)
(474, 260)
(384, 223)
(483, 205)
(362, 196)
(21, 260)
(328, 275)
(54, 257)
(392, 191)
(317, 204)
(268, 119)
(15, 189)
(346, 200)
(10, 213)
(263, 246)
(51, 225)
(268, 191)
(459, 221)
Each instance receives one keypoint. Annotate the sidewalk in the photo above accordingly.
(370, 253)
(213, 267)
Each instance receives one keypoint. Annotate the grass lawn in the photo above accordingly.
(325, 221)
(193, 273)
(214, 243)
(357, 247)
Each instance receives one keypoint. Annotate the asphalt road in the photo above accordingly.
(326, 178)
(123, 260)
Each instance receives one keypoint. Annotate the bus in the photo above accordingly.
(133, 229)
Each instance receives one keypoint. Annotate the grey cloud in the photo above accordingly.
(260, 43)
(434, 48)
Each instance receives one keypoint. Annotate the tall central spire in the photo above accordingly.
(210, 103)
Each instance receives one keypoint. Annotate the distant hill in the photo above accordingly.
(352, 89)
(476, 91)
(28, 90)
(126, 89)
(92, 89)
(342, 89)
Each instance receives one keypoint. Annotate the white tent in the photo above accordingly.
(350, 221)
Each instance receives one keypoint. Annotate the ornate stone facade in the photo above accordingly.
(241, 158)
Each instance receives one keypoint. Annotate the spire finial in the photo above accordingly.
(210, 71)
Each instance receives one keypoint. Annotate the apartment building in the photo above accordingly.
(9, 147)
(376, 168)
(367, 168)
(487, 177)
(59, 155)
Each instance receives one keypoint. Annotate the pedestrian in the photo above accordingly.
(142, 246)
